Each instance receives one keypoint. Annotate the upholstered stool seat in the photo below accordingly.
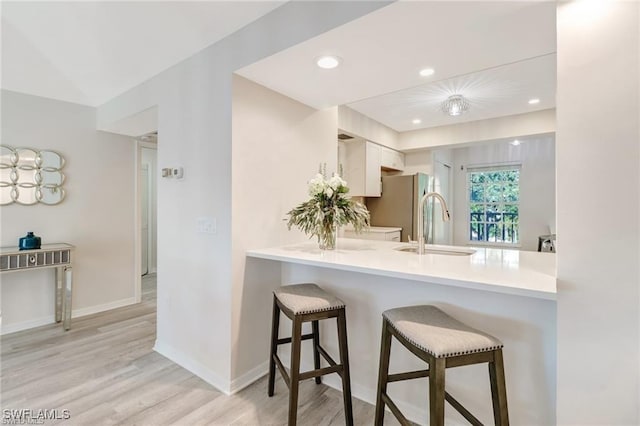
(435, 332)
(307, 299)
(442, 342)
(308, 303)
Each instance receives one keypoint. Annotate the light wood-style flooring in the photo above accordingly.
(105, 372)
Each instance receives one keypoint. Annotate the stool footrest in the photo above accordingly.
(321, 372)
(326, 356)
(447, 396)
(407, 376)
(288, 339)
(283, 372)
(460, 409)
(395, 410)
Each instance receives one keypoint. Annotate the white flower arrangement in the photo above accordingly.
(328, 208)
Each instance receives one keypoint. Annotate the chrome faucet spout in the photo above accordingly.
(445, 216)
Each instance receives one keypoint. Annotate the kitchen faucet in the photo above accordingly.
(445, 217)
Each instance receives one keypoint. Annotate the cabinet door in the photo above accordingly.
(398, 160)
(373, 175)
(355, 168)
(392, 236)
(392, 160)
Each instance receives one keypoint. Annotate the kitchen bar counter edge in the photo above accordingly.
(521, 273)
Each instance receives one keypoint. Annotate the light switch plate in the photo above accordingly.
(177, 172)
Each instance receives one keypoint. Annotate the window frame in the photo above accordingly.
(492, 168)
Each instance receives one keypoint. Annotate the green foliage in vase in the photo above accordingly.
(328, 207)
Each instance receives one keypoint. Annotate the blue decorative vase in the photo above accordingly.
(30, 242)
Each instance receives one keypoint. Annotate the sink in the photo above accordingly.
(447, 251)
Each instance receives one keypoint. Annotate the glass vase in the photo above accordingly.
(327, 235)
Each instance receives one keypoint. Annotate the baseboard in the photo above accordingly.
(76, 313)
(249, 377)
(194, 367)
(25, 325)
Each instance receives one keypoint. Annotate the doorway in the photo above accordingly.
(442, 179)
(148, 210)
(147, 234)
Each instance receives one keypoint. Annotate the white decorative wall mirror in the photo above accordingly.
(28, 176)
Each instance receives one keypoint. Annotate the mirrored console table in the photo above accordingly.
(58, 256)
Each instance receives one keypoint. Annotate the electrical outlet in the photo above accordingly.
(206, 225)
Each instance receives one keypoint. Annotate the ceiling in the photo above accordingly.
(496, 92)
(498, 54)
(90, 52)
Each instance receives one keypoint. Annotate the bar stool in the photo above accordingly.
(442, 342)
(304, 303)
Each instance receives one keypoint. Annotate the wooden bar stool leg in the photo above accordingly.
(316, 342)
(344, 360)
(294, 373)
(498, 389)
(436, 392)
(275, 323)
(383, 372)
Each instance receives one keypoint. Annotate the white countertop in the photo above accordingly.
(521, 273)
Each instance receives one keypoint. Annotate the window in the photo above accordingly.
(494, 197)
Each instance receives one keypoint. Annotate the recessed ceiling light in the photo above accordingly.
(328, 62)
(416, 121)
(516, 142)
(426, 72)
(534, 101)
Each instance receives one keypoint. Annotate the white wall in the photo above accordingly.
(359, 124)
(194, 99)
(97, 215)
(537, 185)
(598, 213)
(420, 161)
(278, 144)
(443, 155)
(533, 123)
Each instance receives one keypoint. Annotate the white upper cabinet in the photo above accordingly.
(363, 162)
(373, 177)
(362, 168)
(392, 159)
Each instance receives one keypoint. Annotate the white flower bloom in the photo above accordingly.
(336, 181)
(317, 185)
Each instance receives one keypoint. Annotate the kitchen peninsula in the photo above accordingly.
(507, 293)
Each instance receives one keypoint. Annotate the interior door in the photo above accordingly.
(144, 212)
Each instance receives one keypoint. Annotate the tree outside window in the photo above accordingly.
(494, 198)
